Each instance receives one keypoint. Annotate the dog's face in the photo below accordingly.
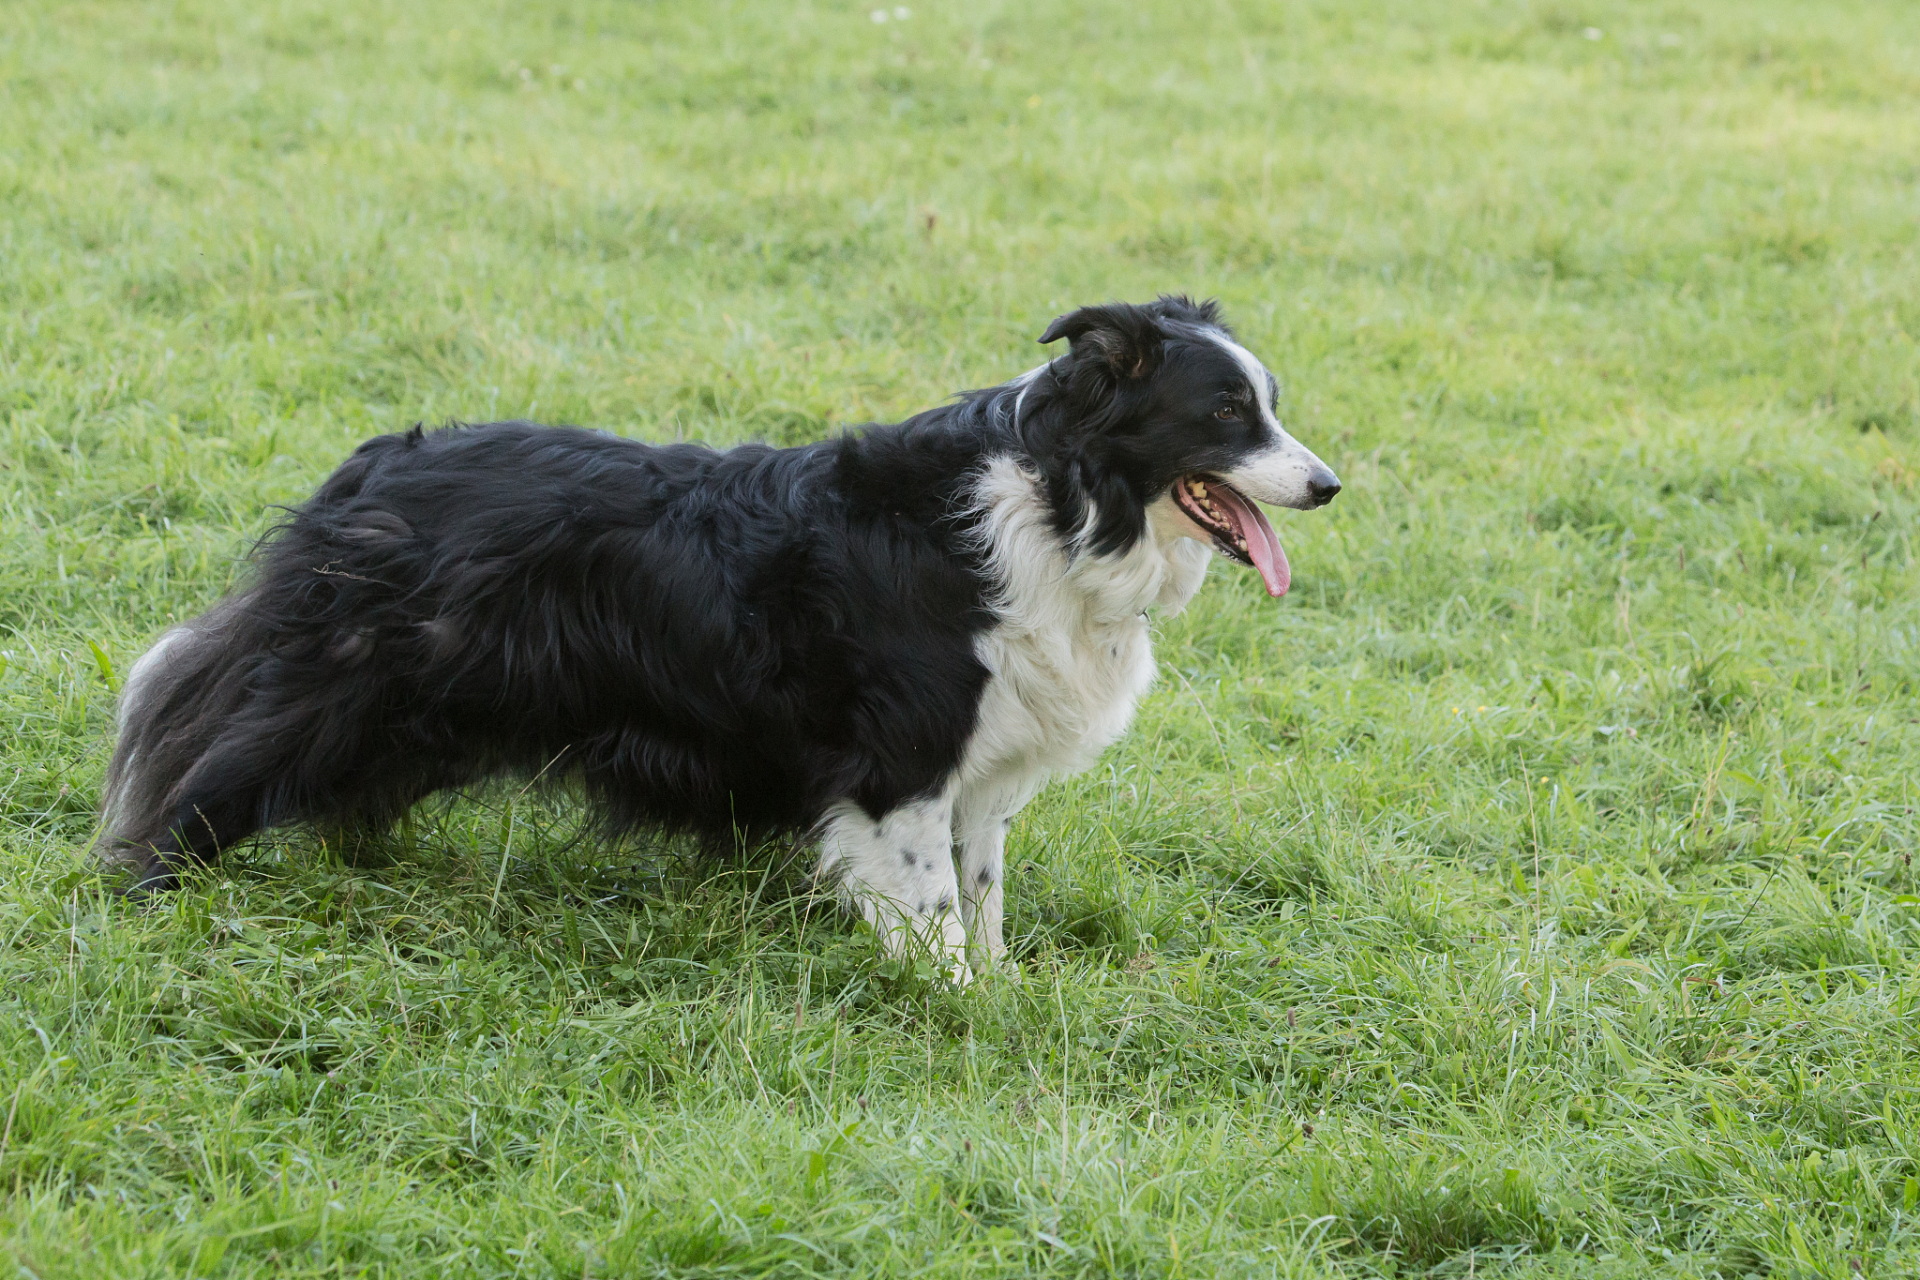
(1180, 430)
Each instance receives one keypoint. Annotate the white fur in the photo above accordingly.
(1025, 382)
(134, 692)
(899, 871)
(1280, 475)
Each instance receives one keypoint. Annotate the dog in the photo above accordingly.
(887, 641)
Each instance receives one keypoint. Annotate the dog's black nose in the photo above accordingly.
(1322, 485)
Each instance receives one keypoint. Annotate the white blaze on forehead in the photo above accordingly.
(1258, 376)
(1280, 470)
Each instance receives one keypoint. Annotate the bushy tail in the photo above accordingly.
(173, 706)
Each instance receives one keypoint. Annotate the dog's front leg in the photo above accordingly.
(982, 816)
(899, 870)
(983, 845)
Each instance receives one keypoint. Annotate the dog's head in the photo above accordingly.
(1161, 416)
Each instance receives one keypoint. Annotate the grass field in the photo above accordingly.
(1530, 892)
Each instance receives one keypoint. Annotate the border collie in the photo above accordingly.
(888, 640)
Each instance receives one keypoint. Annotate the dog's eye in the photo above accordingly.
(1227, 413)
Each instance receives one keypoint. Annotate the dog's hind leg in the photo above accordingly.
(267, 767)
(898, 869)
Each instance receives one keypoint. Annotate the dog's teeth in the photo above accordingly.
(1205, 509)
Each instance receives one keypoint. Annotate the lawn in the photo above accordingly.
(1530, 892)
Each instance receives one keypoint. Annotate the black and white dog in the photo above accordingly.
(890, 640)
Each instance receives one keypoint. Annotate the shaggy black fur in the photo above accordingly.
(719, 641)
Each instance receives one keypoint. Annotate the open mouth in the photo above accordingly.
(1238, 528)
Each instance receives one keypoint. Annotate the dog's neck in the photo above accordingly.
(1039, 581)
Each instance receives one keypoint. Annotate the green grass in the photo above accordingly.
(1530, 892)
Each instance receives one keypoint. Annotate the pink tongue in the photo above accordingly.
(1263, 545)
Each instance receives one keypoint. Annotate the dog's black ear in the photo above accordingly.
(1126, 339)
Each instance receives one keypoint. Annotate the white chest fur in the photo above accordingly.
(1070, 652)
